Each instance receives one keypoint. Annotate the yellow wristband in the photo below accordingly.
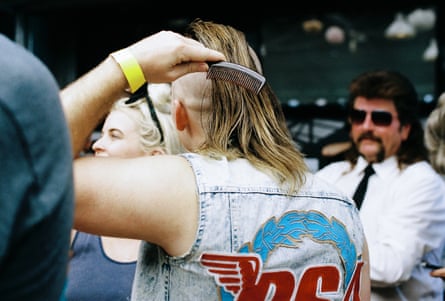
(130, 67)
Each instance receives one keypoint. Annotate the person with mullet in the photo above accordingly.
(238, 216)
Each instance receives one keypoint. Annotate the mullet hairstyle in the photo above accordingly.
(242, 124)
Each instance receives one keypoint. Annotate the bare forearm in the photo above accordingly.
(162, 57)
(87, 100)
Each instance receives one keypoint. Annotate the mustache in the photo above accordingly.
(380, 156)
(370, 136)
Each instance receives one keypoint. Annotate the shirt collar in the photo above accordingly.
(383, 169)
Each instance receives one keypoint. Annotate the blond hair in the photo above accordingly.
(435, 136)
(240, 123)
(150, 135)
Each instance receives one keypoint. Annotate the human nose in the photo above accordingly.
(368, 123)
(98, 146)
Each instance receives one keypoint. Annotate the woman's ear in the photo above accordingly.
(181, 118)
(156, 151)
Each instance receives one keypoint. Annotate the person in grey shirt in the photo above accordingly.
(36, 187)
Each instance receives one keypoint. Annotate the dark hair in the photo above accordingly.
(393, 85)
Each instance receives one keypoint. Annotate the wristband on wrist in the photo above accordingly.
(130, 67)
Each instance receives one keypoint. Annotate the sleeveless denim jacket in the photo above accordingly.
(256, 242)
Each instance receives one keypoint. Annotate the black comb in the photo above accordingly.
(237, 74)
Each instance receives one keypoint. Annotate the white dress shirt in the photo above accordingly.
(403, 215)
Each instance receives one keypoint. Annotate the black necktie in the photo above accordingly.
(359, 193)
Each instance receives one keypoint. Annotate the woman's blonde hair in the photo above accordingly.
(435, 136)
(150, 134)
(240, 123)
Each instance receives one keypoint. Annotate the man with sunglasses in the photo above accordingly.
(403, 210)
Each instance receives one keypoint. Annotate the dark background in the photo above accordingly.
(309, 75)
(73, 36)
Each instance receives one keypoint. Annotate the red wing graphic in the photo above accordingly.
(233, 272)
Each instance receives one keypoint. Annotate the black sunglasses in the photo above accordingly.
(380, 118)
(142, 92)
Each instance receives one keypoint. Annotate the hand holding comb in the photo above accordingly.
(237, 74)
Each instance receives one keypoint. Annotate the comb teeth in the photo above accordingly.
(237, 74)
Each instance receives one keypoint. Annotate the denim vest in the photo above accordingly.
(255, 242)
